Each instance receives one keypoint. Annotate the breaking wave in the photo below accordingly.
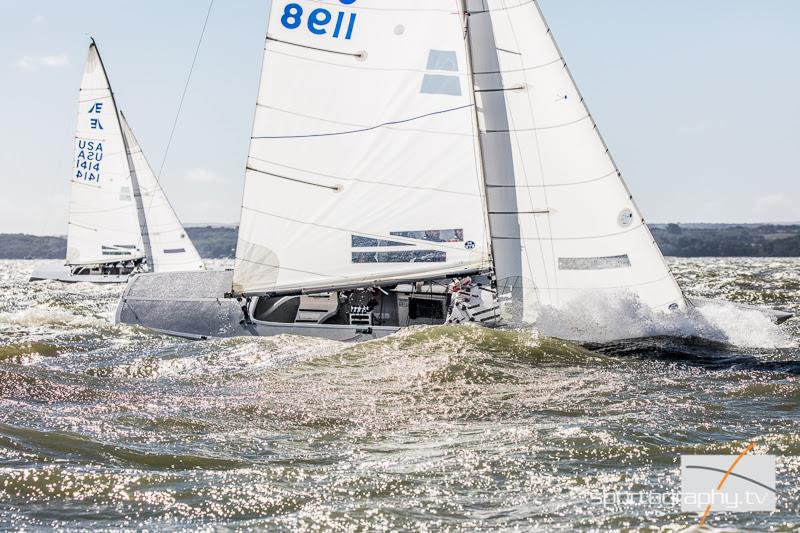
(596, 319)
(50, 316)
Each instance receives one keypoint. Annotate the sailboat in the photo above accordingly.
(120, 220)
(415, 162)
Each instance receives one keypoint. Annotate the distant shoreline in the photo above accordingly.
(678, 240)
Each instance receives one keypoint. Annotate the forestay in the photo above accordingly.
(103, 223)
(563, 223)
(364, 163)
(166, 243)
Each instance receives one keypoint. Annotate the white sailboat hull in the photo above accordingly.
(193, 305)
(65, 274)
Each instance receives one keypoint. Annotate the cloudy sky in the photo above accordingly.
(698, 100)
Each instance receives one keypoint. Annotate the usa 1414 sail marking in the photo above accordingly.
(87, 162)
(320, 20)
(90, 153)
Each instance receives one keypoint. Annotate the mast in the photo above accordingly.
(137, 195)
(478, 141)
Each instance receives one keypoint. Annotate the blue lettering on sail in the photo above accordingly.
(319, 20)
(87, 161)
(96, 108)
(95, 124)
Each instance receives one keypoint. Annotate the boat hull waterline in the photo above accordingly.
(66, 274)
(194, 305)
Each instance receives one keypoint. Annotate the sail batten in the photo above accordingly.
(364, 128)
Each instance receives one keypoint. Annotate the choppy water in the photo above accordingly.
(436, 429)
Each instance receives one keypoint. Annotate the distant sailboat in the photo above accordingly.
(120, 221)
(415, 162)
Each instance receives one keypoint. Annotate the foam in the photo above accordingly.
(595, 318)
(48, 316)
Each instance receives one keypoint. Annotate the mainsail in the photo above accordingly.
(364, 164)
(563, 224)
(165, 241)
(103, 222)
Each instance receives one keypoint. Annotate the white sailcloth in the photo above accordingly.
(168, 247)
(103, 223)
(364, 163)
(563, 223)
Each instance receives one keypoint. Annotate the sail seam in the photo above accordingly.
(365, 129)
(497, 9)
(93, 99)
(540, 128)
(418, 70)
(516, 70)
(554, 185)
(361, 67)
(100, 210)
(551, 238)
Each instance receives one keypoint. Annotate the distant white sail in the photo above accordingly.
(103, 223)
(364, 164)
(563, 223)
(168, 247)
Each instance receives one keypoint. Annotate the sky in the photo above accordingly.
(699, 100)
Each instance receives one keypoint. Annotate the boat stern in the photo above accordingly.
(185, 304)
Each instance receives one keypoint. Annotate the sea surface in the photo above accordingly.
(434, 429)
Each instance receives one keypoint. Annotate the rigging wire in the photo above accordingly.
(185, 89)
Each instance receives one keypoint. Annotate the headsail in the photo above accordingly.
(168, 247)
(103, 223)
(364, 163)
(563, 223)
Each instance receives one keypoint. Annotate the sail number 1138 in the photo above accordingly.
(320, 21)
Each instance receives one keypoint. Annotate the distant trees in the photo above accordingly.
(728, 241)
(674, 229)
(675, 240)
(19, 246)
(214, 242)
